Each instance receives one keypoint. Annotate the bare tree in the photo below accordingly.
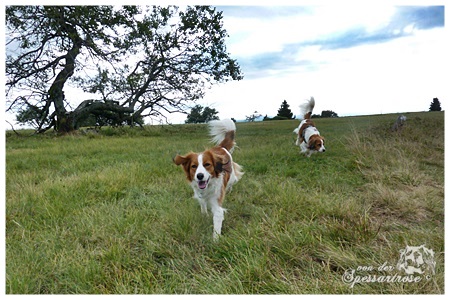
(253, 117)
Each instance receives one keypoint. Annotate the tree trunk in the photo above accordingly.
(107, 109)
(64, 120)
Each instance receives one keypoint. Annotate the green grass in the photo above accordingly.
(111, 214)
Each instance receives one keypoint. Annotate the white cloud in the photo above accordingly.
(409, 29)
(400, 75)
(252, 36)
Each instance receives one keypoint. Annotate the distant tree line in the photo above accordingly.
(200, 114)
(326, 114)
(285, 113)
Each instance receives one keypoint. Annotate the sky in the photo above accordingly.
(353, 59)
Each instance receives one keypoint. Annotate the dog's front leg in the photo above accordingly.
(202, 203)
(303, 148)
(218, 216)
(203, 207)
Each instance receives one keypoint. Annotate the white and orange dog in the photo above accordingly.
(212, 172)
(308, 137)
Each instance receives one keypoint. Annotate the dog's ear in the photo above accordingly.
(222, 163)
(180, 160)
(218, 167)
(185, 162)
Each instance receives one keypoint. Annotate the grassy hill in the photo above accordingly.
(110, 213)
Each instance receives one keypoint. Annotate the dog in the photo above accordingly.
(398, 125)
(308, 137)
(213, 172)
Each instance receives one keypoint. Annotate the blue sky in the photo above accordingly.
(353, 59)
(414, 17)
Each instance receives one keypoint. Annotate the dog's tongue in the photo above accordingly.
(202, 184)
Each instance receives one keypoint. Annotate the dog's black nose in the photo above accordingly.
(200, 176)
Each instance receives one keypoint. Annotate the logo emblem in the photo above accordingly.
(416, 260)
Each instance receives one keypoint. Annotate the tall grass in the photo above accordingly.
(110, 213)
(404, 189)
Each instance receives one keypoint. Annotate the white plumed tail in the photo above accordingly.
(219, 128)
(307, 107)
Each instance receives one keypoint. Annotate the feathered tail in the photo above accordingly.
(306, 108)
(223, 133)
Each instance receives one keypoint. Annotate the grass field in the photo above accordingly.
(110, 213)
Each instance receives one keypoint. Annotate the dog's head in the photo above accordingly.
(316, 143)
(201, 167)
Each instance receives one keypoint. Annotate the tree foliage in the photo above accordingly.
(328, 114)
(284, 111)
(200, 114)
(435, 105)
(135, 62)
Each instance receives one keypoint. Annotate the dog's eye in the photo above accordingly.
(207, 165)
(194, 166)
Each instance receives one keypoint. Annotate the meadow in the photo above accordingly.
(110, 213)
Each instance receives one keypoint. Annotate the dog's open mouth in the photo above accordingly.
(202, 184)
